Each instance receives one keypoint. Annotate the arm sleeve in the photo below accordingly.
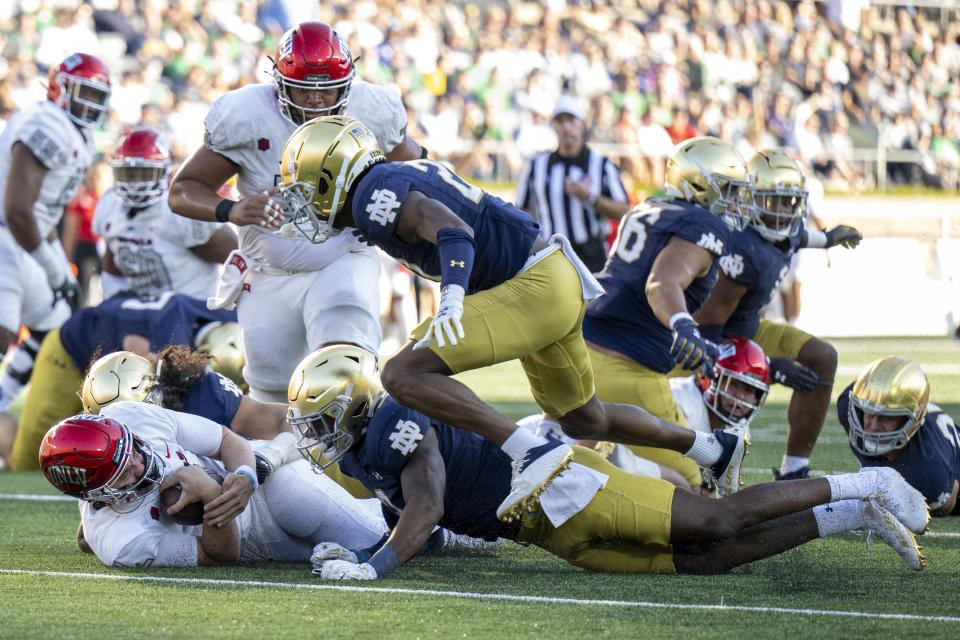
(377, 204)
(198, 435)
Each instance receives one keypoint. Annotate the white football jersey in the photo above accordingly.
(152, 248)
(687, 395)
(245, 125)
(62, 147)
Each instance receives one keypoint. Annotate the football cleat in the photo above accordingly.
(881, 522)
(531, 475)
(726, 470)
(896, 495)
(798, 474)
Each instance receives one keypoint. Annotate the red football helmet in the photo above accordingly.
(312, 56)
(81, 87)
(86, 455)
(141, 167)
(740, 363)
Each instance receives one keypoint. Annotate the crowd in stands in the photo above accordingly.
(823, 79)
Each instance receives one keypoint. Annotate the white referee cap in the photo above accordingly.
(568, 105)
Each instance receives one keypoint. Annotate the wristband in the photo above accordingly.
(223, 210)
(455, 248)
(816, 239)
(245, 470)
(677, 317)
(384, 561)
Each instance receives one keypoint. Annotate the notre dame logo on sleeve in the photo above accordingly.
(383, 207)
(405, 436)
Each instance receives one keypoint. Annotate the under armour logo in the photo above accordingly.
(711, 243)
(732, 265)
(405, 437)
(383, 207)
(458, 263)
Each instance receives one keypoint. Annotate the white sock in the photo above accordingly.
(851, 486)
(793, 463)
(705, 450)
(836, 517)
(521, 441)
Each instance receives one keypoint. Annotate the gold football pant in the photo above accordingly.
(625, 528)
(780, 340)
(52, 397)
(628, 382)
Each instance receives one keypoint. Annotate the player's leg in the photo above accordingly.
(51, 398)
(313, 507)
(342, 305)
(274, 336)
(806, 411)
(621, 381)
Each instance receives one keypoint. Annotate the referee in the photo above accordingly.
(574, 189)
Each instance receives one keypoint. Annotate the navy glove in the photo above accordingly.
(69, 291)
(793, 374)
(690, 350)
(843, 234)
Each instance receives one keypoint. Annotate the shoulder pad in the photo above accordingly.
(380, 109)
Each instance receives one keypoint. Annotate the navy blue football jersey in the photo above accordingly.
(503, 234)
(215, 398)
(171, 318)
(622, 319)
(760, 266)
(931, 460)
(478, 472)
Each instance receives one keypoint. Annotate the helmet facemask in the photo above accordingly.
(299, 208)
(298, 114)
(326, 431)
(127, 498)
(876, 443)
(84, 100)
(778, 212)
(139, 182)
(720, 390)
(731, 200)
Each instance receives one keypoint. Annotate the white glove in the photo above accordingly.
(447, 319)
(343, 570)
(235, 272)
(326, 551)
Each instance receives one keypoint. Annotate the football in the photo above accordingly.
(191, 514)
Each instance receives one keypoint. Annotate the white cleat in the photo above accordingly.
(895, 494)
(883, 523)
(277, 452)
(726, 470)
(531, 475)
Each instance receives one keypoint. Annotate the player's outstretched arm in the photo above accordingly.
(259, 420)
(193, 194)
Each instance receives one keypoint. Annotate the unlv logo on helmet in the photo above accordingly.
(312, 57)
(62, 475)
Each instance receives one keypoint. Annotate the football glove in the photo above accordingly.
(843, 234)
(69, 291)
(792, 374)
(343, 570)
(690, 350)
(446, 324)
(326, 551)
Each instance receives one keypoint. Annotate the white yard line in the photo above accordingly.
(490, 596)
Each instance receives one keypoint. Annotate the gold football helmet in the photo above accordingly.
(778, 201)
(122, 375)
(890, 386)
(224, 341)
(332, 394)
(709, 172)
(319, 164)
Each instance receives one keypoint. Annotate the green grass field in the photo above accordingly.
(834, 588)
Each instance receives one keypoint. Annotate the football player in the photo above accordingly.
(141, 325)
(294, 296)
(526, 300)
(731, 399)
(117, 462)
(659, 271)
(595, 515)
(150, 250)
(890, 421)
(754, 262)
(45, 150)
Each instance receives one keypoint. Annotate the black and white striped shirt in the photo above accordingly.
(540, 191)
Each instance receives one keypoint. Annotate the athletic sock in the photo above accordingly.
(793, 463)
(521, 441)
(851, 486)
(836, 517)
(705, 450)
